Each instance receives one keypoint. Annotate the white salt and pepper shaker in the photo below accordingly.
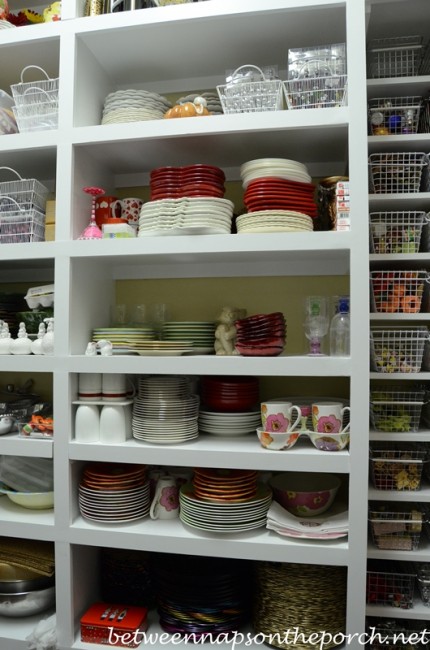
(36, 346)
(5, 339)
(22, 344)
(48, 339)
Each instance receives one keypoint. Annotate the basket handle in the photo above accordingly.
(12, 170)
(40, 90)
(4, 196)
(427, 217)
(28, 67)
(249, 66)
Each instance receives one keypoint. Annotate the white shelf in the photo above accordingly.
(420, 555)
(399, 143)
(406, 201)
(404, 318)
(419, 611)
(420, 496)
(400, 376)
(12, 443)
(398, 87)
(410, 436)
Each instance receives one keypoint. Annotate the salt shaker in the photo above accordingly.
(5, 339)
(48, 339)
(36, 346)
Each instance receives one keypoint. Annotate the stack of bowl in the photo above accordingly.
(230, 394)
(23, 592)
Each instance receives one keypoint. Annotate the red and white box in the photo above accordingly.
(114, 625)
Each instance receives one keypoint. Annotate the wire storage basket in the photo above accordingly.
(398, 56)
(398, 292)
(393, 634)
(396, 349)
(36, 103)
(21, 225)
(390, 583)
(396, 232)
(316, 92)
(396, 527)
(397, 466)
(396, 173)
(423, 580)
(241, 96)
(424, 122)
(394, 115)
(28, 193)
(397, 410)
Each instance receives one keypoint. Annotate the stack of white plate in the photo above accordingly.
(165, 411)
(224, 516)
(4, 24)
(134, 106)
(200, 335)
(124, 339)
(273, 221)
(274, 168)
(186, 216)
(229, 425)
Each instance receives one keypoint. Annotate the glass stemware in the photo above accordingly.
(92, 231)
(316, 323)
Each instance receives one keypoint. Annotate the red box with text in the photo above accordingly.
(114, 625)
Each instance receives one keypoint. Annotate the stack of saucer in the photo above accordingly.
(200, 335)
(229, 424)
(225, 484)
(134, 106)
(213, 103)
(290, 170)
(124, 339)
(274, 221)
(280, 194)
(262, 335)
(186, 216)
(192, 180)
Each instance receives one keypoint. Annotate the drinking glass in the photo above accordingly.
(316, 322)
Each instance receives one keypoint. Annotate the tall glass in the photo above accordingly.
(316, 322)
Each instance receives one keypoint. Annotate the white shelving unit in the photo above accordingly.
(405, 20)
(171, 49)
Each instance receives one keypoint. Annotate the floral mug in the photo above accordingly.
(328, 417)
(165, 504)
(277, 415)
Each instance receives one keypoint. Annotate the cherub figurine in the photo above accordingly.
(225, 333)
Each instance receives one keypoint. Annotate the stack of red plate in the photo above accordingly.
(193, 180)
(280, 194)
(225, 484)
(262, 335)
(230, 394)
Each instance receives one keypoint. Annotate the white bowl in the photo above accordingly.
(32, 500)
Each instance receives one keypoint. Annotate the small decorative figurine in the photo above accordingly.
(225, 333)
(48, 338)
(5, 339)
(36, 346)
(22, 344)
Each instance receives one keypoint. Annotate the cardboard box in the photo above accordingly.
(50, 232)
(114, 625)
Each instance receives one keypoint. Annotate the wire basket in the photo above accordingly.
(396, 232)
(397, 466)
(423, 580)
(25, 93)
(39, 121)
(396, 527)
(394, 115)
(28, 193)
(252, 96)
(392, 634)
(399, 56)
(390, 583)
(397, 350)
(396, 411)
(19, 226)
(396, 173)
(397, 292)
(317, 92)
(424, 122)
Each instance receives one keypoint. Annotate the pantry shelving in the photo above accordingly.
(168, 50)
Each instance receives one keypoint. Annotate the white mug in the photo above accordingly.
(165, 504)
(87, 423)
(116, 388)
(277, 415)
(131, 210)
(115, 424)
(90, 386)
(328, 417)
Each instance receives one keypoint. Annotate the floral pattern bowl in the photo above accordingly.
(305, 494)
(329, 441)
(277, 440)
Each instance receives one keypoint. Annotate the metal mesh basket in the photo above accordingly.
(26, 192)
(396, 232)
(399, 56)
(396, 173)
(317, 92)
(392, 634)
(21, 225)
(424, 122)
(252, 96)
(25, 93)
(397, 350)
(423, 580)
(390, 583)
(394, 115)
(396, 411)
(397, 292)
(397, 466)
(396, 527)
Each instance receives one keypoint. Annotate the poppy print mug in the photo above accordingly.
(328, 417)
(277, 415)
(165, 504)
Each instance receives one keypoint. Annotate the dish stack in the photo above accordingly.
(230, 394)
(186, 216)
(262, 335)
(201, 595)
(229, 425)
(199, 335)
(192, 180)
(165, 411)
(36, 102)
(279, 196)
(125, 339)
(114, 492)
(224, 500)
(134, 106)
